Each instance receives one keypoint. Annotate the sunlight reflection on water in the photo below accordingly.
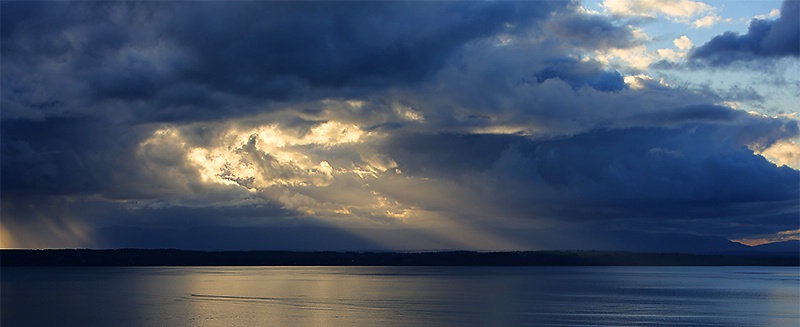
(401, 296)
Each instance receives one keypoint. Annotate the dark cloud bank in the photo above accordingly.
(518, 139)
(764, 39)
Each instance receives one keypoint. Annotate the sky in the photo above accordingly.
(537, 125)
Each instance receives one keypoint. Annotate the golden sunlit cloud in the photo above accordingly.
(677, 10)
(636, 58)
(782, 153)
(407, 112)
(787, 235)
(641, 81)
(258, 157)
(325, 170)
(637, 82)
(321, 170)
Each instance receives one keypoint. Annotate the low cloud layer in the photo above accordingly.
(370, 126)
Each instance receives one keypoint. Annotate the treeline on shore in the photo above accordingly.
(172, 257)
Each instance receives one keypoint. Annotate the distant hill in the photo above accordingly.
(171, 257)
(780, 247)
(667, 243)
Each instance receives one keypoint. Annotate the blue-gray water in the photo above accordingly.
(400, 296)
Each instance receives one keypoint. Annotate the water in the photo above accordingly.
(400, 296)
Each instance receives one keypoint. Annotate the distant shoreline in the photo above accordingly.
(172, 257)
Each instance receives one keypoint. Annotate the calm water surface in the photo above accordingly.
(400, 296)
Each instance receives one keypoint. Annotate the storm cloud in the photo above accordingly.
(377, 125)
(185, 61)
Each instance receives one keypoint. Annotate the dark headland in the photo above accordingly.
(172, 257)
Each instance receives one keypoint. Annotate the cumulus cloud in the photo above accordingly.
(764, 39)
(683, 42)
(706, 21)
